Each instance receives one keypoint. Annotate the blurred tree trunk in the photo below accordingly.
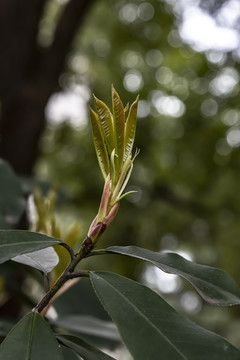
(29, 74)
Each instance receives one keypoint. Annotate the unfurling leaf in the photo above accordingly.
(130, 129)
(106, 122)
(113, 135)
(99, 143)
(126, 109)
(119, 122)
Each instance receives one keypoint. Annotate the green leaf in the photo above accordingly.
(152, 329)
(17, 242)
(84, 349)
(214, 285)
(99, 144)
(106, 121)
(126, 109)
(12, 202)
(44, 260)
(130, 129)
(30, 339)
(89, 325)
(69, 354)
(119, 122)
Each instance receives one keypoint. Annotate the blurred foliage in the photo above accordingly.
(187, 173)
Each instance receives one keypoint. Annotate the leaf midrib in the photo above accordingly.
(146, 319)
(31, 334)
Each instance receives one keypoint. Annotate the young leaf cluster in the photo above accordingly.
(113, 135)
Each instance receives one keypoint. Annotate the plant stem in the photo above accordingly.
(97, 252)
(66, 275)
(77, 274)
(69, 249)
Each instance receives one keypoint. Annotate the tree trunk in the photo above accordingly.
(29, 74)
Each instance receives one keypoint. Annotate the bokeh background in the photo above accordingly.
(183, 58)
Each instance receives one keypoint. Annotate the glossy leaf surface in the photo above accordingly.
(44, 260)
(84, 349)
(152, 329)
(214, 285)
(17, 242)
(31, 339)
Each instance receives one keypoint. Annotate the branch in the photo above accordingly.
(79, 274)
(66, 275)
(97, 252)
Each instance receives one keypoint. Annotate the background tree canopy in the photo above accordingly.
(187, 173)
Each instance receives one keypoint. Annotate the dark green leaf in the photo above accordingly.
(89, 325)
(85, 350)
(44, 260)
(12, 202)
(152, 329)
(214, 285)
(31, 339)
(17, 242)
(99, 143)
(69, 354)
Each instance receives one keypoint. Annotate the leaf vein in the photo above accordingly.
(147, 320)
